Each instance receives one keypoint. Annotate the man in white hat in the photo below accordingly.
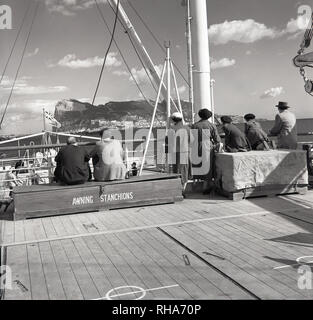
(285, 127)
(178, 146)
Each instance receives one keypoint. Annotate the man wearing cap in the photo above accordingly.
(285, 127)
(178, 146)
(235, 140)
(257, 138)
(72, 164)
(206, 138)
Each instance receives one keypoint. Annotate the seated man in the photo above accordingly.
(72, 164)
(258, 139)
(235, 140)
(107, 159)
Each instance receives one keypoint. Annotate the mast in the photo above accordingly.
(200, 55)
(189, 57)
(139, 45)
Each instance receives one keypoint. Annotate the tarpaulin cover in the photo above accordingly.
(237, 171)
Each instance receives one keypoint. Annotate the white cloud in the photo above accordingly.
(243, 31)
(272, 93)
(22, 87)
(222, 63)
(120, 73)
(70, 7)
(182, 89)
(141, 76)
(250, 31)
(71, 61)
(248, 52)
(32, 54)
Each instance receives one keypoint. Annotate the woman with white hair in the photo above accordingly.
(107, 159)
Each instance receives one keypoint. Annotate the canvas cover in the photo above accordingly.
(237, 171)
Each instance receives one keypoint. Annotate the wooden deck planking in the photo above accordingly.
(18, 262)
(196, 278)
(82, 276)
(242, 249)
(253, 253)
(175, 267)
(153, 268)
(134, 268)
(52, 276)
(224, 260)
(38, 285)
(87, 268)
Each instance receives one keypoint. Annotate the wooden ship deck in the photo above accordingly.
(201, 248)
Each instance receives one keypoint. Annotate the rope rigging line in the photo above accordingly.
(15, 41)
(21, 62)
(156, 39)
(123, 58)
(136, 51)
(107, 52)
(140, 59)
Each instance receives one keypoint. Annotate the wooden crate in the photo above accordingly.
(47, 200)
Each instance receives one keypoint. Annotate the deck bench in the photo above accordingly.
(54, 199)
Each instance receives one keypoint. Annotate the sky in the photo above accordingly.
(252, 43)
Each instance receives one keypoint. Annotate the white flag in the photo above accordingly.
(54, 122)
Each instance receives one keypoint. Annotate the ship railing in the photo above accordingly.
(40, 169)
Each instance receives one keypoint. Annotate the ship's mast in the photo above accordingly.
(200, 55)
(189, 56)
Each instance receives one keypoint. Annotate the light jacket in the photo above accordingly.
(286, 130)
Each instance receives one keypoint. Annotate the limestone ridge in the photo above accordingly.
(77, 115)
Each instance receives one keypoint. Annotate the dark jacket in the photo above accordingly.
(235, 140)
(255, 134)
(72, 165)
(206, 131)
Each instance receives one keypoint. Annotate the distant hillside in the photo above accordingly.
(76, 115)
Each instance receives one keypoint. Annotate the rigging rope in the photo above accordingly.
(123, 58)
(15, 41)
(156, 39)
(136, 51)
(20, 64)
(107, 52)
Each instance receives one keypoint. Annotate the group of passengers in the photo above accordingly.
(202, 141)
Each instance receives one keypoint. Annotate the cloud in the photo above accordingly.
(182, 89)
(141, 76)
(22, 87)
(243, 31)
(250, 31)
(272, 93)
(222, 63)
(70, 7)
(32, 54)
(120, 73)
(71, 61)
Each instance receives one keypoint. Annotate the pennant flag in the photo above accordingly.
(54, 122)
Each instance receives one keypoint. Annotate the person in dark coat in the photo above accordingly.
(235, 140)
(258, 139)
(72, 164)
(206, 136)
